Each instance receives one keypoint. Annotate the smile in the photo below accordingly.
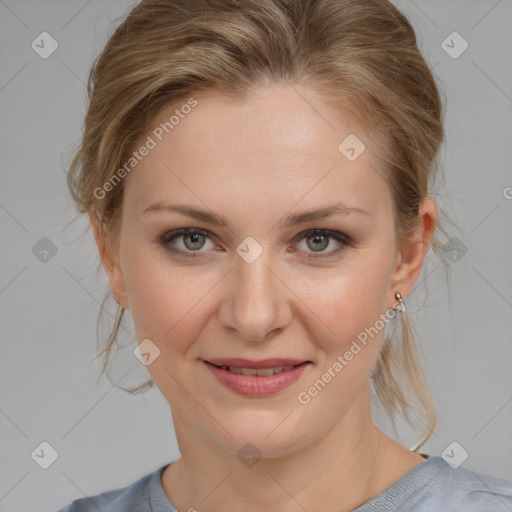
(263, 372)
(268, 378)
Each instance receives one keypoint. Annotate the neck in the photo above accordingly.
(339, 472)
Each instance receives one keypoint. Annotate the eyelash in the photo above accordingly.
(339, 237)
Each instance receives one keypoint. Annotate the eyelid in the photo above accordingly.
(329, 232)
(339, 237)
(343, 239)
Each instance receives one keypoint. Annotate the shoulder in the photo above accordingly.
(443, 487)
(473, 491)
(434, 485)
(136, 496)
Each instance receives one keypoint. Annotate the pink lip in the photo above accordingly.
(247, 363)
(257, 385)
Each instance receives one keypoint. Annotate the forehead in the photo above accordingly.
(278, 146)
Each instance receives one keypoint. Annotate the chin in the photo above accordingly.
(264, 433)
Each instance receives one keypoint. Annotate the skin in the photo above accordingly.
(254, 162)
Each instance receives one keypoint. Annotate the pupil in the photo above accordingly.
(317, 239)
(194, 237)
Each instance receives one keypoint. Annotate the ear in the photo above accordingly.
(108, 260)
(411, 255)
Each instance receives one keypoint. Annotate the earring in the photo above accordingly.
(401, 306)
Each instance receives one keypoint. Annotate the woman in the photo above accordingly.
(257, 177)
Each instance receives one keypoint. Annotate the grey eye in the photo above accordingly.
(318, 242)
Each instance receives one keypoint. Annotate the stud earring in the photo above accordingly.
(401, 306)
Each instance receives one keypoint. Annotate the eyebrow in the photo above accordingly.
(290, 220)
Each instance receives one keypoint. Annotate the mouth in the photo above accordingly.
(257, 378)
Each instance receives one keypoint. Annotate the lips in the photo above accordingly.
(247, 363)
(257, 378)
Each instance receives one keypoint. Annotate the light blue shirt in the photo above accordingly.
(432, 486)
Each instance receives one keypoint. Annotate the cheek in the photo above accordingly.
(166, 308)
(165, 301)
(352, 304)
(350, 300)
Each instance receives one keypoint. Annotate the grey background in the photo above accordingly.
(106, 438)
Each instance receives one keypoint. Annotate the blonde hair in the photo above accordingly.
(362, 54)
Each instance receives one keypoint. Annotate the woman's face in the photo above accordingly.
(258, 286)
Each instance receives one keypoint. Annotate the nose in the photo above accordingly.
(257, 301)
